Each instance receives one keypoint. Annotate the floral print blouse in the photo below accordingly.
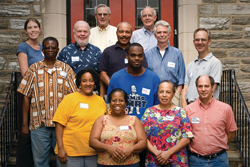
(118, 137)
(164, 129)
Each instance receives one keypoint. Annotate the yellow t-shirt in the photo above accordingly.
(78, 114)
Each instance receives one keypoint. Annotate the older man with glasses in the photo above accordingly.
(103, 35)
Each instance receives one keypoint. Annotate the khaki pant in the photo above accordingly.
(176, 99)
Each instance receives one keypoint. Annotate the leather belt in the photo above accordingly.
(210, 156)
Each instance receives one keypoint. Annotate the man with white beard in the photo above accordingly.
(81, 54)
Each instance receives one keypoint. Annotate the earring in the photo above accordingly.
(109, 111)
(80, 87)
(126, 110)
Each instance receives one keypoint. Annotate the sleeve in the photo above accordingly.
(22, 48)
(186, 128)
(26, 83)
(71, 79)
(216, 71)
(156, 99)
(145, 122)
(63, 111)
(98, 57)
(181, 70)
(230, 123)
(62, 56)
(132, 40)
(111, 86)
(104, 61)
(187, 80)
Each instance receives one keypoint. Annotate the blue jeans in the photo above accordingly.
(219, 161)
(81, 161)
(132, 165)
(42, 139)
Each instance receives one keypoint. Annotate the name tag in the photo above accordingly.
(126, 61)
(195, 120)
(171, 64)
(75, 58)
(190, 75)
(145, 91)
(170, 118)
(63, 74)
(84, 105)
(125, 127)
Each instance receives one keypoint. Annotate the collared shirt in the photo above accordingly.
(169, 67)
(46, 87)
(210, 126)
(103, 38)
(210, 66)
(79, 59)
(143, 37)
(114, 59)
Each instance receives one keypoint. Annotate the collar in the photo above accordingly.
(104, 28)
(209, 104)
(56, 65)
(205, 58)
(146, 31)
(79, 48)
(165, 48)
(117, 46)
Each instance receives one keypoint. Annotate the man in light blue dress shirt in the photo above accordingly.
(145, 36)
(167, 61)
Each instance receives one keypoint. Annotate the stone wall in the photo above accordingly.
(13, 14)
(229, 23)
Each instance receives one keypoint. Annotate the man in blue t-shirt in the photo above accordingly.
(139, 82)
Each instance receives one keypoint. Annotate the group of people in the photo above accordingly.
(159, 113)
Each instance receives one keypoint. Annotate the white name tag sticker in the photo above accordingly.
(171, 64)
(125, 61)
(170, 118)
(145, 91)
(125, 127)
(195, 120)
(75, 58)
(84, 105)
(63, 74)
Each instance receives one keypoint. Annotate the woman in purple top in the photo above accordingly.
(28, 53)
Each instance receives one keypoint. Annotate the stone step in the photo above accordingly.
(234, 155)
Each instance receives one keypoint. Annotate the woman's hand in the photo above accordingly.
(127, 152)
(62, 155)
(163, 157)
(116, 153)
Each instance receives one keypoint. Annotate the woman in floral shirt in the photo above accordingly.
(168, 130)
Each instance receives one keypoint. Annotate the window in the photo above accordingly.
(140, 5)
(89, 12)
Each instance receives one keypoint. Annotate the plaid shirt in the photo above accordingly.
(46, 87)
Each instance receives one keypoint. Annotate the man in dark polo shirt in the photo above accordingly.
(114, 57)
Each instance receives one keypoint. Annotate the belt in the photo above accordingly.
(210, 156)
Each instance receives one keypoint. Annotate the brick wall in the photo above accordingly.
(13, 14)
(229, 22)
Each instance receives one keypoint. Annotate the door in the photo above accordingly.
(122, 10)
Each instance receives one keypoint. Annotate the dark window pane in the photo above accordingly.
(153, 3)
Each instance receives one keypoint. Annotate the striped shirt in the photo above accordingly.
(46, 87)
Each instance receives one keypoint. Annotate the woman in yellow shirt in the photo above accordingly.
(74, 118)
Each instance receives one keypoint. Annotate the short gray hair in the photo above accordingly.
(102, 5)
(125, 22)
(149, 7)
(74, 29)
(162, 23)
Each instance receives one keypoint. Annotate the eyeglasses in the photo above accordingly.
(50, 48)
(102, 14)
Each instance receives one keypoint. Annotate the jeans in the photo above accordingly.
(81, 161)
(219, 161)
(42, 139)
(132, 165)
